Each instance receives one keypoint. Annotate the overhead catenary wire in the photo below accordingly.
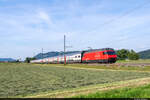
(125, 14)
(113, 20)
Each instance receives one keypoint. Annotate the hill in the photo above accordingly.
(52, 54)
(145, 54)
(7, 59)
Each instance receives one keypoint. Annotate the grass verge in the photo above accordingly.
(127, 92)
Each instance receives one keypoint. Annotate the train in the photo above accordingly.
(104, 55)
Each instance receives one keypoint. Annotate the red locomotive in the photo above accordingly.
(106, 55)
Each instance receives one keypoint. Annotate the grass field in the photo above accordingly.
(128, 92)
(20, 80)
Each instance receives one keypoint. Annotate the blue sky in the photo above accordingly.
(26, 26)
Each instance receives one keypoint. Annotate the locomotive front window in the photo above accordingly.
(109, 53)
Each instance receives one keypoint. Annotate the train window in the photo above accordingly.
(105, 53)
(75, 56)
(78, 56)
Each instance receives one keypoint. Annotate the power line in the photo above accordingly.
(125, 14)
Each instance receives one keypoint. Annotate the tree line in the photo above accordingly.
(28, 59)
(124, 54)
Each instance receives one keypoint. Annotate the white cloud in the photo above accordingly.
(45, 17)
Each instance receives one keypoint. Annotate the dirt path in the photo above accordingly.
(93, 89)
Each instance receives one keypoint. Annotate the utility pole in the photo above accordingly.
(90, 48)
(42, 55)
(64, 50)
(33, 54)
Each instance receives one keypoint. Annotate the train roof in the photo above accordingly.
(103, 49)
(69, 54)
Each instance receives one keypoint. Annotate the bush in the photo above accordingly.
(122, 54)
(133, 55)
(28, 59)
(127, 54)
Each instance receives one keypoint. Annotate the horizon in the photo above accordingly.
(27, 26)
(57, 51)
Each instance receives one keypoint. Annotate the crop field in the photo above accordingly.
(22, 80)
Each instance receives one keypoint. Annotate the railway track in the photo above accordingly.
(123, 64)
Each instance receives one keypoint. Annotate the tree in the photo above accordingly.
(17, 61)
(122, 54)
(133, 55)
(127, 54)
(28, 59)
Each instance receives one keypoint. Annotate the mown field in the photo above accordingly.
(22, 80)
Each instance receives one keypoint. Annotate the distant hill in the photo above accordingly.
(144, 54)
(7, 59)
(52, 54)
